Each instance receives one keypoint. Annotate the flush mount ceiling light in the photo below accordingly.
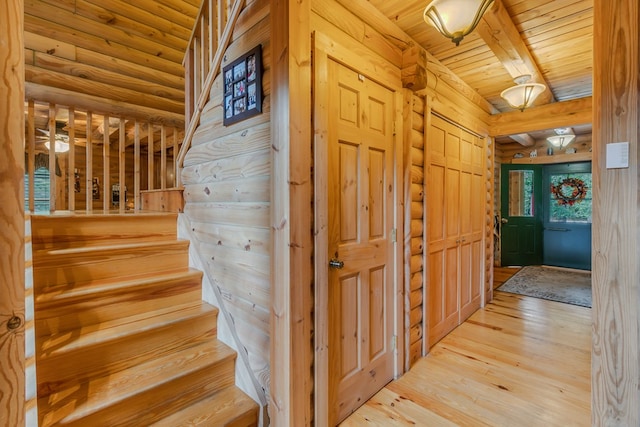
(523, 94)
(561, 141)
(61, 146)
(455, 18)
(62, 142)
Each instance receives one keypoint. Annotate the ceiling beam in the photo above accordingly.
(503, 38)
(413, 69)
(555, 115)
(524, 139)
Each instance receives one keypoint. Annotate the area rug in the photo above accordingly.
(571, 287)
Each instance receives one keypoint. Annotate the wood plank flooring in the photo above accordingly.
(502, 274)
(519, 361)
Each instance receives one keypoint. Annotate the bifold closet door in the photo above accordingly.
(454, 226)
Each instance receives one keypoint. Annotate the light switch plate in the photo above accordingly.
(617, 155)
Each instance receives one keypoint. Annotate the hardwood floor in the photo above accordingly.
(502, 274)
(519, 361)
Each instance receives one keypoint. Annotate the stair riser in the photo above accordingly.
(149, 405)
(94, 230)
(67, 269)
(64, 368)
(113, 308)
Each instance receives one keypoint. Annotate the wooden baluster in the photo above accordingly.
(52, 157)
(106, 179)
(204, 45)
(122, 166)
(211, 32)
(150, 148)
(136, 166)
(89, 164)
(163, 157)
(176, 148)
(31, 150)
(214, 31)
(189, 100)
(221, 16)
(71, 166)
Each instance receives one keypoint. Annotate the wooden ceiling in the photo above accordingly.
(551, 40)
(129, 54)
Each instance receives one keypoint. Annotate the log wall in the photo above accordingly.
(126, 56)
(227, 181)
(12, 251)
(582, 144)
(615, 371)
(415, 278)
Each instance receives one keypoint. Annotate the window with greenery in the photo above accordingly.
(521, 202)
(40, 189)
(570, 197)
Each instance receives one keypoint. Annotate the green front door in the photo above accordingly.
(521, 209)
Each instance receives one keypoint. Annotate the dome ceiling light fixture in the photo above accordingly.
(62, 142)
(455, 18)
(61, 145)
(560, 141)
(523, 94)
(562, 138)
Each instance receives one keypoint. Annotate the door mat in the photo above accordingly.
(570, 287)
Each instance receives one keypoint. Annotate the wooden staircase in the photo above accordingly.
(122, 335)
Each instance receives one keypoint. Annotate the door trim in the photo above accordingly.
(325, 49)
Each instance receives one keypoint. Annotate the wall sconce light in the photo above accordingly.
(561, 139)
(455, 18)
(523, 94)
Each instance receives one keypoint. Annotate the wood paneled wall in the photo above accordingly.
(616, 224)
(227, 179)
(121, 57)
(582, 144)
(12, 249)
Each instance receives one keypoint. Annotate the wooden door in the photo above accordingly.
(567, 213)
(521, 211)
(360, 218)
(455, 214)
(471, 239)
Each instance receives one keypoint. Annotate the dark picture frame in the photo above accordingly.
(243, 87)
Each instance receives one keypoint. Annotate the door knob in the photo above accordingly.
(336, 263)
(504, 220)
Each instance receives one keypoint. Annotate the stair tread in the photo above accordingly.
(91, 288)
(225, 408)
(58, 344)
(46, 255)
(109, 390)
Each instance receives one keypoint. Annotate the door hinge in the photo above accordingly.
(394, 342)
(394, 235)
(394, 127)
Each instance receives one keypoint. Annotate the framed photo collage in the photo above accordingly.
(243, 87)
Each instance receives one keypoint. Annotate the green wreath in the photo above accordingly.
(569, 191)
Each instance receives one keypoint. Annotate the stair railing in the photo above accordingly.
(84, 160)
(209, 40)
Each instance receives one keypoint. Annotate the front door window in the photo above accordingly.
(570, 198)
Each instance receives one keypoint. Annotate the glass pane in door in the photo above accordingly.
(570, 198)
(521, 193)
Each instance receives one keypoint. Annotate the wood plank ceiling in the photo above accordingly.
(549, 39)
(129, 54)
